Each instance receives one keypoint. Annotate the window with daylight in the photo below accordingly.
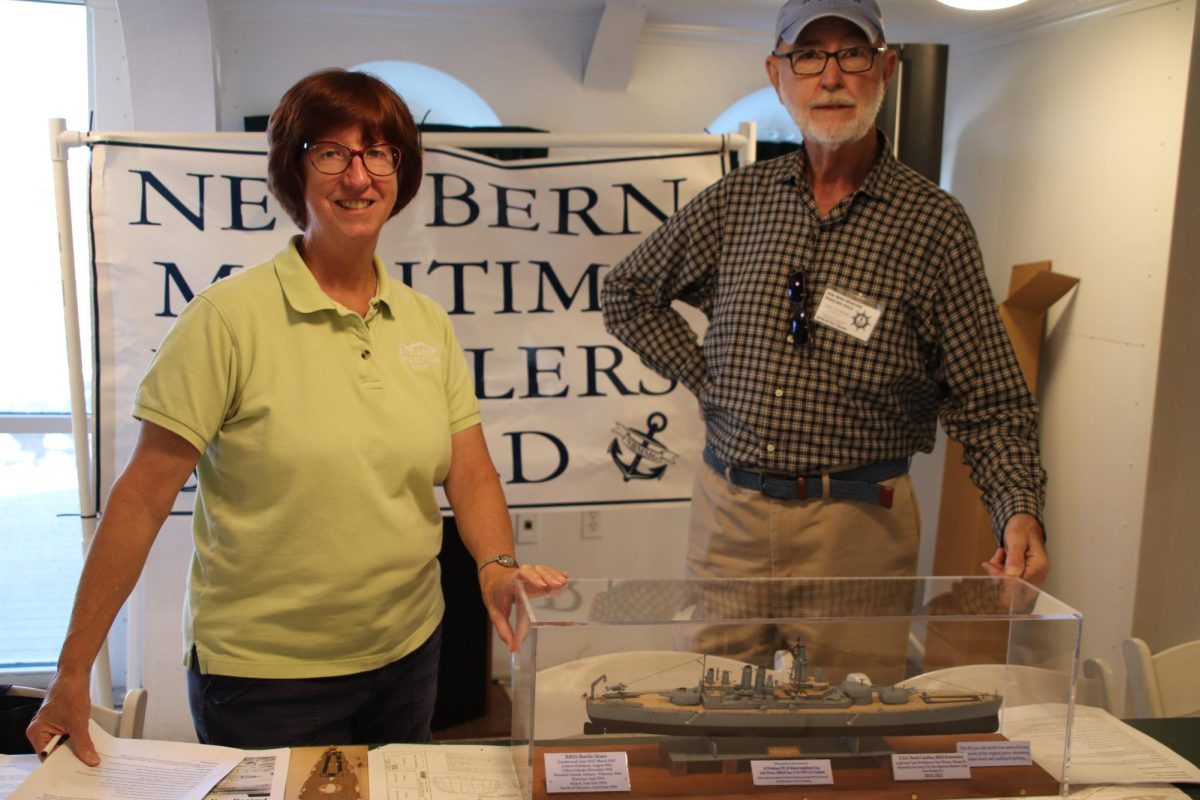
(763, 107)
(44, 56)
(433, 96)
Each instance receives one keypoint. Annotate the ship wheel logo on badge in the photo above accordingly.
(861, 321)
(638, 454)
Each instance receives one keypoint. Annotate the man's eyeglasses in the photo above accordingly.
(807, 63)
(798, 324)
(331, 158)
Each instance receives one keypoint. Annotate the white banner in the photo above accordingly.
(515, 251)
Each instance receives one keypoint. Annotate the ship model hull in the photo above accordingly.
(617, 717)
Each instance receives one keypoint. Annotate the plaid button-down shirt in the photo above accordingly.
(938, 348)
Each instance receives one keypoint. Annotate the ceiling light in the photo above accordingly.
(981, 5)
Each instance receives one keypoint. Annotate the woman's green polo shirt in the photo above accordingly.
(322, 434)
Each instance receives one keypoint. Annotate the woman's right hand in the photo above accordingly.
(66, 711)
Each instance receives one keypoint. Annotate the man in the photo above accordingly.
(848, 309)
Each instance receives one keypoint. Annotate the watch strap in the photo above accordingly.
(504, 560)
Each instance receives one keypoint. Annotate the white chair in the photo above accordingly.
(125, 723)
(1098, 686)
(1163, 684)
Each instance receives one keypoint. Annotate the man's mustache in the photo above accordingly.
(833, 101)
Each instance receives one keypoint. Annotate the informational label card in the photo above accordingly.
(930, 766)
(587, 772)
(792, 772)
(997, 754)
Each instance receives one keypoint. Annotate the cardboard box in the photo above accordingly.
(964, 537)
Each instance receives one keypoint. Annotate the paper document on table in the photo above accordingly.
(131, 769)
(1129, 791)
(1103, 749)
(442, 772)
(14, 770)
(261, 775)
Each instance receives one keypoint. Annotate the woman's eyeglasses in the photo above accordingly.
(798, 324)
(332, 158)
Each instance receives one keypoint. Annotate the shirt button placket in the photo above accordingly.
(369, 370)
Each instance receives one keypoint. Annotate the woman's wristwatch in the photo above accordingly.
(504, 560)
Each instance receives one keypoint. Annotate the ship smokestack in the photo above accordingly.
(799, 664)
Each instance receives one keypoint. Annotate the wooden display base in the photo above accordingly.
(856, 777)
(693, 754)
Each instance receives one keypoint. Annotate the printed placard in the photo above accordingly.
(587, 772)
(792, 772)
(930, 766)
(849, 312)
(997, 754)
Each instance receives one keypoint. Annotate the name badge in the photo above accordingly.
(849, 312)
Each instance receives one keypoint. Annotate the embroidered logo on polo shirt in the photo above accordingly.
(419, 355)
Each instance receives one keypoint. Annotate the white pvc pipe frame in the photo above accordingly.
(62, 140)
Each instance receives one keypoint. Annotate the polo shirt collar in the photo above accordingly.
(305, 295)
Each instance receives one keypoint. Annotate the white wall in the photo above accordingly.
(1064, 144)
(1165, 608)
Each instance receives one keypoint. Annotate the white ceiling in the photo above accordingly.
(905, 20)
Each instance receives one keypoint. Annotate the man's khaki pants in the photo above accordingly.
(739, 533)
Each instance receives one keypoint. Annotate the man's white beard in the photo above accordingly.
(832, 133)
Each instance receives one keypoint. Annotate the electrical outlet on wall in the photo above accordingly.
(526, 529)
(590, 526)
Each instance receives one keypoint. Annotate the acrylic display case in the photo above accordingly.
(876, 687)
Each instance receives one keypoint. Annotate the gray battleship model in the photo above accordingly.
(805, 706)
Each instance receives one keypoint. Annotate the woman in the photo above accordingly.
(320, 401)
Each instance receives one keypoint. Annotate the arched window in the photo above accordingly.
(763, 107)
(433, 96)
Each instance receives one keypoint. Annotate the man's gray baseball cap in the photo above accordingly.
(797, 14)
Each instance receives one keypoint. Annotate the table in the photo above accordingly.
(1181, 734)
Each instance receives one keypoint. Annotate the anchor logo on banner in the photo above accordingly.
(638, 454)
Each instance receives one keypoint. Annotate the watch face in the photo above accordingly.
(506, 561)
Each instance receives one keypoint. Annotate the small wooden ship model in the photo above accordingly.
(332, 778)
